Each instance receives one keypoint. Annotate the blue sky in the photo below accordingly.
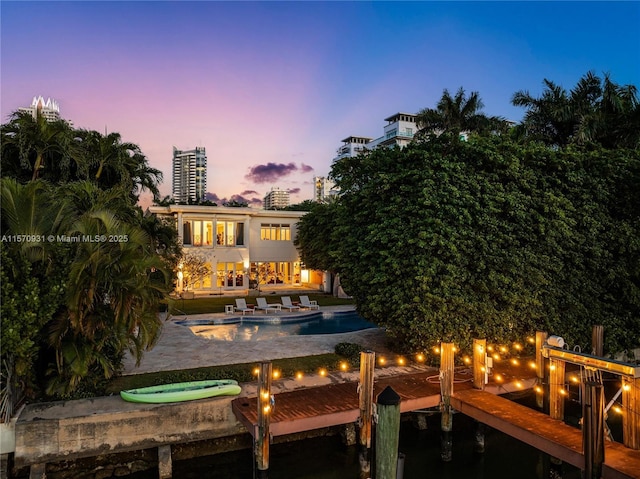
(272, 87)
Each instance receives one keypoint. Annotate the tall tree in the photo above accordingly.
(36, 148)
(457, 114)
(596, 111)
(447, 240)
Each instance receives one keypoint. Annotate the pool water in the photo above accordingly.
(259, 328)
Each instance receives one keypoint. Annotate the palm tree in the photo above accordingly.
(31, 146)
(113, 295)
(595, 111)
(458, 114)
(112, 162)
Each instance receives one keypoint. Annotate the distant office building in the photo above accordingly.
(189, 175)
(324, 189)
(399, 130)
(276, 199)
(49, 109)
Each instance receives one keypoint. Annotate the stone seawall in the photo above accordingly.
(68, 430)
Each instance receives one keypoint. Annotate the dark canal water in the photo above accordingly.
(328, 458)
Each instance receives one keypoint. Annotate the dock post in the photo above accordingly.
(446, 387)
(478, 438)
(631, 413)
(387, 434)
(541, 338)
(263, 436)
(165, 466)
(365, 399)
(593, 430)
(556, 389)
(479, 363)
(38, 471)
(597, 340)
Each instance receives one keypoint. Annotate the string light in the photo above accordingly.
(344, 366)
(517, 347)
(299, 375)
(323, 372)
(538, 389)
(467, 360)
(490, 348)
(519, 384)
(381, 361)
(276, 374)
(436, 350)
(266, 409)
(401, 361)
(626, 387)
(574, 379)
(498, 378)
(533, 365)
(256, 371)
(515, 362)
(563, 392)
(496, 356)
(617, 409)
(503, 349)
(265, 395)
(531, 340)
(420, 357)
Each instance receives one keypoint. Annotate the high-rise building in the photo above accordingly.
(399, 130)
(276, 199)
(324, 189)
(189, 175)
(49, 109)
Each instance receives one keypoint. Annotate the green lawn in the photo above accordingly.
(216, 304)
(287, 368)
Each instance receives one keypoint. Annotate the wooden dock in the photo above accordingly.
(337, 404)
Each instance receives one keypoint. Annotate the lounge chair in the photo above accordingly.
(241, 305)
(263, 305)
(305, 303)
(286, 303)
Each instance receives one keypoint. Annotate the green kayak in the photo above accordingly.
(182, 391)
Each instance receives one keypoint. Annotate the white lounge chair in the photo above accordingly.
(286, 303)
(241, 305)
(263, 305)
(306, 303)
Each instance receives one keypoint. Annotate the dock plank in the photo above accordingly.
(542, 432)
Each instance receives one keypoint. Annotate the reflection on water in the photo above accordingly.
(259, 329)
(240, 332)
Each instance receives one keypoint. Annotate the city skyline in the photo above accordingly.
(270, 89)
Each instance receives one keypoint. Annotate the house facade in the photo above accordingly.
(243, 247)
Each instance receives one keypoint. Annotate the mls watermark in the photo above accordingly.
(65, 238)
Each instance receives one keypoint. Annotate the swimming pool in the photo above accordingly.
(259, 328)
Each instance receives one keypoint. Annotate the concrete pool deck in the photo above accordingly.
(179, 348)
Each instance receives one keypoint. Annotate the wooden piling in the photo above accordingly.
(262, 438)
(478, 438)
(631, 412)
(165, 466)
(593, 429)
(541, 338)
(387, 434)
(479, 363)
(556, 388)
(597, 340)
(446, 388)
(365, 400)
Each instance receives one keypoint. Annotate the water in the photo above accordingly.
(328, 458)
(258, 328)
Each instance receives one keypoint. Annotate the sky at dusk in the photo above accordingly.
(271, 88)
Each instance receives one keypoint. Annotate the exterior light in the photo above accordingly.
(401, 361)
(515, 362)
(420, 357)
(298, 375)
(276, 374)
(344, 366)
(533, 365)
(626, 387)
(323, 372)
